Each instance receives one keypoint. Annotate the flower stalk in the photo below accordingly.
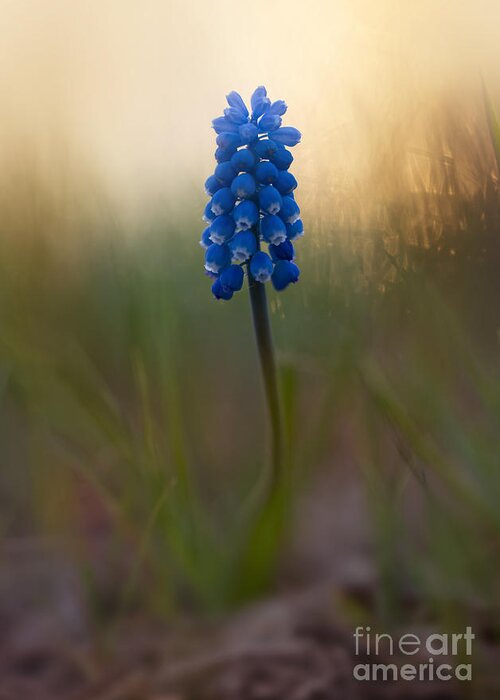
(265, 348)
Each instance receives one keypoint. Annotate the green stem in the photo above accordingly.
(265, 348)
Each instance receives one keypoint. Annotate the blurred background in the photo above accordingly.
(133, 428)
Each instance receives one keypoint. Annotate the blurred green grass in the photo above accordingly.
(120, 377)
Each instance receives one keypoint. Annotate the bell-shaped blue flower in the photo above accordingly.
(235, 100)
(281, 158)
(261, 266)
(223, 154)
(222, 229)
(283, 251)
(243, 186)
(212, 185)
(260, 102)
(243, 160)
(242, 246)
(231, 277)
(245, 215)
(286, 182)
(235, 115)
(217, 257)
(208, 214)
(228, 140)
(223, 125)
(272, 229)
(279, 107)
(296, 230)
(264, 148)
(225, 173)
(270, 200)
(205, 240)
(221, 292)
(284, 273)
(269, 122)
(248, 132)
(286, 135)
(290, 211)
(266, 173)
(223, 201)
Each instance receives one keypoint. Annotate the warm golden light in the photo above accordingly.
(131, 87)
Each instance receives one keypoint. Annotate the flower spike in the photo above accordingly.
(252, 195)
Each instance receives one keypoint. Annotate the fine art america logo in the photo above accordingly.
(438, 656)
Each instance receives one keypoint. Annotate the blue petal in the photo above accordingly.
(245, 215)
(248, 132)
(261, 266)
(232, 277)
(270, 200)
(259, 94)
(205, 240)
(295, 230)
(266, 173)
(221, 292)
(221, 229)
(283, 251)
(285, 273)
(235, 100)
(217, 257)
(222, 125)
(260, 102)
(225, 173)
(243, 160)
(243, 186)
(290, 211)
(286, 182)
(235, 115)
(265, 148)
(228, 140)
(222, 201)
(272, 229)
(223, 154)
(269, 122)
(281, 158)
(286, 135)
(212, 185)
(242, 246)
(279, 107)
(208, 214)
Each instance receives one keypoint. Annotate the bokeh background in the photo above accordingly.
(133, 431)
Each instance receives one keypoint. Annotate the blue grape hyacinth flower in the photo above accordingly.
(252, 197)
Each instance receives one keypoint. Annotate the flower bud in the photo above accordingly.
(222, 201)
(266, 173)
(225, 173)
(231, 277)
(290, 211)
(242, 245)
(286, 135)
(222, 229)
(283, 251)
(217, 257)
(284, 273)
(286, 182)
(270, 200)
(261, 266)
(221, 292)
(273, 229)
(243, 160)
(243, 186)
(245, 215)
